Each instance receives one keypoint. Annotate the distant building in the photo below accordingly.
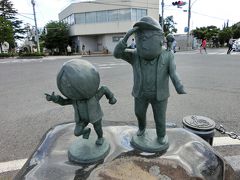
(100, 24)
(181, 40)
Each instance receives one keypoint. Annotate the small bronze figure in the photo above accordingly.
(78, 80)
(152, 66)
(170, 40)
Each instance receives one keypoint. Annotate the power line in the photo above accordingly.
(214, 17)
(123, 5)
(24, 16)
(141, 2)
(26, 13)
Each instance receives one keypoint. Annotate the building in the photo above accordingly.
(99, 25)
(181, 40)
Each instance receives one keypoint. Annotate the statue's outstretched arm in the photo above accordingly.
(109, 95)
(58, 99)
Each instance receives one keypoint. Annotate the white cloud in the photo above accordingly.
(46, 10)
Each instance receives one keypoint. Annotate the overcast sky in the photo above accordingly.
(204, 12)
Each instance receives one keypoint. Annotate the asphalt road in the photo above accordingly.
(211, 81)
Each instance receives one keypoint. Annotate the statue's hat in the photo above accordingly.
(148, 22)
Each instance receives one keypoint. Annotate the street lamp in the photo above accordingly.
(36, 28)
(162, 20)
(189, 17)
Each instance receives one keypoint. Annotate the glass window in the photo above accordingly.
(65, 20)
(102, 16)
(138, 14)
(72, 21)
(91, 17)
(134, 15)
(80, 18)
(144, 12)
(116, 38)
(113, 15)
(124, 14)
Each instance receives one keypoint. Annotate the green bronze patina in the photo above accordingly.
(170, 39)
(85, 151)
(152, 66)
(78, 80)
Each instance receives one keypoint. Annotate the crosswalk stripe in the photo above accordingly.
(12, 165)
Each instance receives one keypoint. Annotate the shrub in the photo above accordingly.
(28, 54)
(5, 55)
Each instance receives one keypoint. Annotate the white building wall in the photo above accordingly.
(108, 41)
(90, 42)
(101, 28)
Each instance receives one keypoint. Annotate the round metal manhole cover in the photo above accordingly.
(199, 122)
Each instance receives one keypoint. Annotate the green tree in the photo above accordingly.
(8, 13)
(236, 30)
(6, 30)
(56, 36)
(206, 32)
(224, 35)
(169, 25)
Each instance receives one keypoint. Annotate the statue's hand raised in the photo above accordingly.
(129, 33)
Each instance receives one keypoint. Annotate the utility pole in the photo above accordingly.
(36, 28)
(162, 21)
(189, 17)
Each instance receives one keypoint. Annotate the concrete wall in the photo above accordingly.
(182, 42)
(101, 28)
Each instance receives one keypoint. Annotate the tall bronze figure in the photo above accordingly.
(152, 66)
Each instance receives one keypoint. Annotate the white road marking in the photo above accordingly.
(12, 165)
(18, 164)
(112, 64)
(209, 53)
(225, 141)
(106, 67)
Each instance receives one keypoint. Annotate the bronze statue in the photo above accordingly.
(152, 66)
(79, 81)
(170, 39)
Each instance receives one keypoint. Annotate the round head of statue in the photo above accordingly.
(78, 80)
(149, 38)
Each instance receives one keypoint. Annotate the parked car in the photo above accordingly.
(236, 45)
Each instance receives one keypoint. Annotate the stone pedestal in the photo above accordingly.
(148, 142)
(188, 157)
(85, 151)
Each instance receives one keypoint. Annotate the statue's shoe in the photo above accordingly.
(162, 140)
(86, 133)
(140, 132)
(77, 131)
(99, 141)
